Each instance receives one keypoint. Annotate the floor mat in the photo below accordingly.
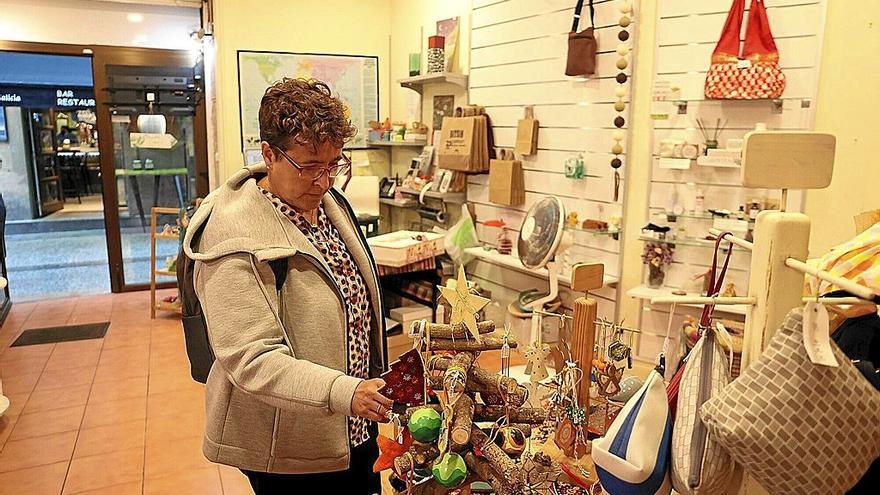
(65, 333)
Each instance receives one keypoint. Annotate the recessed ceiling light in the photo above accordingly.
(135, 17)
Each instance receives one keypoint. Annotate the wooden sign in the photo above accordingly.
(787, 160)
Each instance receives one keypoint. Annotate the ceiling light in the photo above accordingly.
(135, 18)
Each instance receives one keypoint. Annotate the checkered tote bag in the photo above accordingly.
(798, 428)
(753, 75)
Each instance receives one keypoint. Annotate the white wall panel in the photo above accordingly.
(518, 55)
(577, 116)
(687, 32)
(800, 19)
(573, 91)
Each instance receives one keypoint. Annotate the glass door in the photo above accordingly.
(155, 133)
(47, 178)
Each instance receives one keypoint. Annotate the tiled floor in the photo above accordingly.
(118, 415)
(112, 416)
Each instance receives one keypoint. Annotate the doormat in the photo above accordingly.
(65, 333)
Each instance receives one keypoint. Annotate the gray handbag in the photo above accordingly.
(799, 428)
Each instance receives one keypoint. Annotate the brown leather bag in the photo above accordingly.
(581, 45)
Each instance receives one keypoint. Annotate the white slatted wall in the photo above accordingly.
(518, 54)
(687, 32)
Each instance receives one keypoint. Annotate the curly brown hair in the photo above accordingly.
(305, 111)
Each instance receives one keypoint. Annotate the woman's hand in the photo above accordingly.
(368, 403)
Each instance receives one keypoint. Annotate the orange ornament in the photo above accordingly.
(389, 450)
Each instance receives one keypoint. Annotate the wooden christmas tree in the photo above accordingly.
(471, 424)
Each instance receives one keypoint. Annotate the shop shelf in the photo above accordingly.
(511, 261)
(407, 144)
(166, 273)
(166, 306)
(646, 293)
(399, 204)
(417, 83)
(600, 233)
(690, 241)
(170, 237)
(446, 197)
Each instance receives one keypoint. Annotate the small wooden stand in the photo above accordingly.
(155, 236)
(584, 278)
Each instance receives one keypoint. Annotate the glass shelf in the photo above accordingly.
(614, 234)
(690, 241)
(704, 216)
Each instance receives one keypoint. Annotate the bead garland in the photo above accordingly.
(623, 50)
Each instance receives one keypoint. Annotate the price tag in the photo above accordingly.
(417, 329)
(816, 335)
(743, 63)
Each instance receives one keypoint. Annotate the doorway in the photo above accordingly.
(50, 177)
(94, 162)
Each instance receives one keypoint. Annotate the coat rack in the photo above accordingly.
(779, 160)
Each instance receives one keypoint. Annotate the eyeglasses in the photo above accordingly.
(314, 173)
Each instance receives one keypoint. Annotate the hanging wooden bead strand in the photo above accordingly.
(623, 50)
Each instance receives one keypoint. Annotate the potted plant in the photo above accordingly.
(657, 257)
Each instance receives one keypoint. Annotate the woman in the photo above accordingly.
(291, 298)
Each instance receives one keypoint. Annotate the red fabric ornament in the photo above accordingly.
(389, 450)
(405, 380)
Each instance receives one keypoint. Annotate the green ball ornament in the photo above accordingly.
(620, 106)
(450, 471)
(622, 63)
(424, 425)
(616, 149)
(624, 21)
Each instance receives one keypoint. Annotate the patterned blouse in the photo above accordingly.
(329, 243)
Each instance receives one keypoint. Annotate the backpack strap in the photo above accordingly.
(279, 268)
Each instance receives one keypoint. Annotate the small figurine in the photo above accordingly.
(572, 219)
(729, 290)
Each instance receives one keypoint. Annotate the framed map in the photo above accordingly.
(354, 78)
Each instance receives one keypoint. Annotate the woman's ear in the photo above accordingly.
(268, 153)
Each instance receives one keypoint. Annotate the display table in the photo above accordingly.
(156, 174)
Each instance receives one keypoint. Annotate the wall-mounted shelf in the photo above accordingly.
(690, 241)
(703, 216)
(511, 261)
(601, 233)
(775, 103)
(646, 293)
(416, 83)
(408, 144)
(448, 197)
(399, 204)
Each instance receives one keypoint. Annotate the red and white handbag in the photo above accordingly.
(753, 75)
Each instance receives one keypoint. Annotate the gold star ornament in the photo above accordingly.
(465, 305)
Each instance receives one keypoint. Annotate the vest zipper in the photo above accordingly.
(698, 437)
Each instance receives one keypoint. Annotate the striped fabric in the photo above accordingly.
(633, 456)
(857, 259)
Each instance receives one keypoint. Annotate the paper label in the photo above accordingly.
(817, 340)
(743, 63)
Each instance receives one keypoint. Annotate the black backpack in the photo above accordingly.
(195, 330)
